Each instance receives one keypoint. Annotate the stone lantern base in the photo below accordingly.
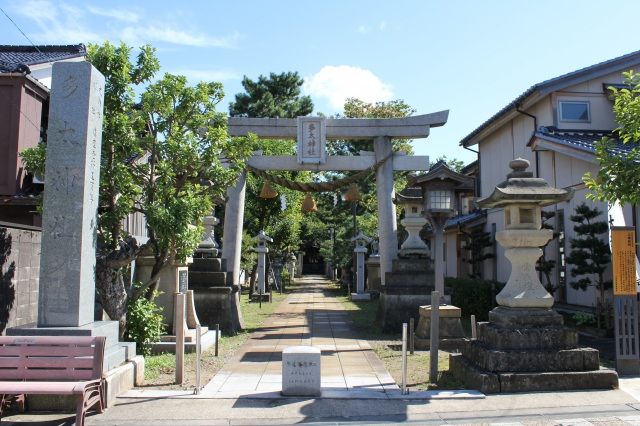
(528, 349)
(451, 334)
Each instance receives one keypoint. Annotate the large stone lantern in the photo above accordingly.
(525, 346)
(441, 189)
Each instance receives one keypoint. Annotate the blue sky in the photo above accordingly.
(471, 57)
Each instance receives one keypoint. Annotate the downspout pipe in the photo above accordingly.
(477, 191)
(535, 127)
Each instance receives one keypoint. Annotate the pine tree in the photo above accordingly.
(544, 265)
(476, 243)
(590, 257)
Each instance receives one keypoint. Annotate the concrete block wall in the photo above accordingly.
(22, 243)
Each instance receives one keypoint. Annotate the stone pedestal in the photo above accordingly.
(408, 286)
(528, 349)
(360, 250)
(450, 328)
(373, 274)
(301, 371)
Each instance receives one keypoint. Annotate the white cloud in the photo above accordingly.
(117, 14)
(337, 83)
(382, 25)
(362, 29)
(208, 75)
(170, 34)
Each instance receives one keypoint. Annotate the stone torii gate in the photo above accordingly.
(311, 134)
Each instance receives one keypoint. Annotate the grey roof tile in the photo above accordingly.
(584, 140)
(12, 57)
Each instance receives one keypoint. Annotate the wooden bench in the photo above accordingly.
(47, 365)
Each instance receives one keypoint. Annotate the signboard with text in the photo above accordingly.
(312, 140)
(623, 252)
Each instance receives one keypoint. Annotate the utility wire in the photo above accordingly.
(22, 32)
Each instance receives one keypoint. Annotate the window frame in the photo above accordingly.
(563, 120)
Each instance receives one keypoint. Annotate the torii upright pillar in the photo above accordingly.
(380, 131)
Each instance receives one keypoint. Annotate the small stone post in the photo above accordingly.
(434, 338)
(360, 249)
(262, 250)
(180, 301)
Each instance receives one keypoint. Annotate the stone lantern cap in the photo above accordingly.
(263, 238)
(361, 239)
(522, 187)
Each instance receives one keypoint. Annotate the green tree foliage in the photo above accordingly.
(619, 176)
(476, 244)
(278, 95)
(144, 324)
(590, 256)
(186, 144)
(453, 163)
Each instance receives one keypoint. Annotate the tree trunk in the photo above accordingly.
(113, 295)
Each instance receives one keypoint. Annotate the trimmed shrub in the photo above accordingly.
(473, 296)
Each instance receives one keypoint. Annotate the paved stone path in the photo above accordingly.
(309, 316)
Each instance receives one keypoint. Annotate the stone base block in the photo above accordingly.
(488, 382)
(396, 307)
(214, 306)
(525, 317)
(449, 324)
(531, 360)
(358, 297)
(301, 371)
(552, 337)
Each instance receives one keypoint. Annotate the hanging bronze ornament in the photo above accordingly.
(267, 190)
(309, 204)
(352, 193)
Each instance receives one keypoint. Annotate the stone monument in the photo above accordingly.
(360, 250)
(67, 267)
(525, 346)
(301, 371)
(373, 269)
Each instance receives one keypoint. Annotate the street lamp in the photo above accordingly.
(441, 189)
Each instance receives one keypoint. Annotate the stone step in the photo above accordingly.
(412, 265)
(207, 279)
(208, 340)
(114, 356)
(109, 329)
(206, 265)
(409, 279)
(529, 360)
(488, 382)
(501, 338)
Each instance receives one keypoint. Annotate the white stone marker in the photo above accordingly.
(69, 223)
(262, 251)
(301, 371)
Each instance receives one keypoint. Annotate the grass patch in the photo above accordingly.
(160, 369)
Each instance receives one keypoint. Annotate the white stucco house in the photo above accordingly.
(553, 124)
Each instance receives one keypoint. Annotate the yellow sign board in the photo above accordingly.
(623, 251)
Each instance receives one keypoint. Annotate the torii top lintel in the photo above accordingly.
(414, 127)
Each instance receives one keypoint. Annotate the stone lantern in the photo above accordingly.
(208, 247)
(525, 347)
(360, 250)
(410, 200)
(441, 189)
(261, 248)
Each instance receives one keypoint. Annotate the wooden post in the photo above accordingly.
(404, 358)
(412, 336)
(217, 337)
(435, 336)
(179, 320)
(474, 330)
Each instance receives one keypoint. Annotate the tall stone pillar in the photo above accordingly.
(438, 251)
(233, 225)
(69, 223)
(387, 226)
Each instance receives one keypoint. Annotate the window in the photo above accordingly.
(575, 111)
(440, 200)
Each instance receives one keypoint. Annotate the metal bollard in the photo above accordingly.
(434, 336)
(180, 299)
(474, 329)
(217, 338)
(412, 337)
(198, 358)
(404, 359)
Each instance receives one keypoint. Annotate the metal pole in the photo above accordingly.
(198, 358)
(353, 256)
(404, 359)
(474, 330)
(434, 337)
(180, 320)
(260, 297)
(412, 337)
(217, 338)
